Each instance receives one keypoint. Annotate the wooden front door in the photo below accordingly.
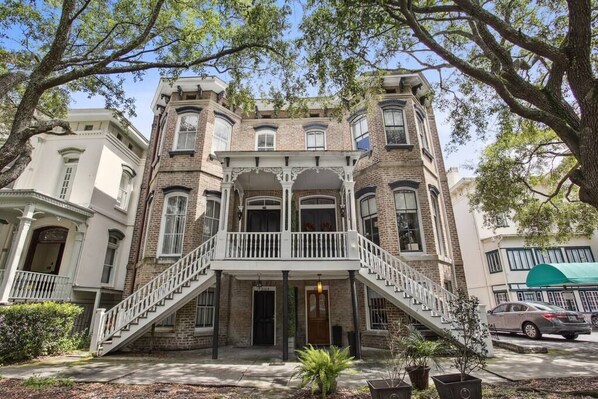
(318, 326)
(263, 317)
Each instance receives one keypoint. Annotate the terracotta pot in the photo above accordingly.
(450, 386)
(419, 376)
(382, 389)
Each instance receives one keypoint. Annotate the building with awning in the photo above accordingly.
(563, 274)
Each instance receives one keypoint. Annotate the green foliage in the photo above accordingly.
(525, 173)
(31, 330)
(421, 352)
(320, 368)
(467, 336)
(428, 393)
(37, 382)
(398, 356)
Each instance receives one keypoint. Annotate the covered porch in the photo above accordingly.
(287, 206)
(41, 239)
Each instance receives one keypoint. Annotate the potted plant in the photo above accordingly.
(394, 386)
(469, 350)
(320, 368)
(421, 353)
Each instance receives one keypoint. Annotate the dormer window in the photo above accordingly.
(186, 131)
(222, 135)
(265, 140)
(361, 134)
(394, 126)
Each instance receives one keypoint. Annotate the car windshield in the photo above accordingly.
(548, 307)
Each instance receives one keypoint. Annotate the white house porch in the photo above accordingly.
(41, 240)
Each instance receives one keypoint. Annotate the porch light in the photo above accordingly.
(342, 208)
(259, 282)
(240, 212)
(319, 286)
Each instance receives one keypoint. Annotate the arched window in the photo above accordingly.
(114, 238)
(70, 159)
(265, 140)
(407, 212)
(315, 140)
(222, 135)
(438, 228)
(361, 133)
(422, 130)
(369, 219)
(186, 131)
(211, 217)
(394, 126)
(125, 187)
(173, 224)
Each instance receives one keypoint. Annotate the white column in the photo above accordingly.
(484, 322)
(76, 254)
(98, 321)
(96, 306)
(287, 200)
(350, 205)
(10, 232)
(220, 250)
(16, 251)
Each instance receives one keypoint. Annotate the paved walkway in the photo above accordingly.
(261, 368)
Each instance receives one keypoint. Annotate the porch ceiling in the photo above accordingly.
(254, 159)
(12, 200)
(293, 275)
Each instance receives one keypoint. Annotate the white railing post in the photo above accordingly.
(285, 245)
(97, 325)
(484, 322)
(221, 245)
(352, 244)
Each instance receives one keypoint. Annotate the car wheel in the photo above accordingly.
(531, 330)
(570, 337)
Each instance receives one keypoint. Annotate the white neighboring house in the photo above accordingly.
(497, 262)
(66, 223)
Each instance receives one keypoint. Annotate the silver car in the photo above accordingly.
(537, 318)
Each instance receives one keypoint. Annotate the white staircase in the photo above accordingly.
(155, 301)
(408, 289)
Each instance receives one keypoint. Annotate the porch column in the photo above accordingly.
(76, 254)
(287, 198)
(350, 205)
(355, 314)
(216, 332)
(16, 252)
(221, 236)
(285, 315)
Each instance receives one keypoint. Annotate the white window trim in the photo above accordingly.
(354, 121)
(319, 206)
(260, 207)
(368, 325)
(395, 108)
(206, 329)
(426, 132)
(315, 131)
(116, 248)
(265, 131)
(163, 224)
(358, 210)
(176, 132)
(230, 134)
(419, 219)
(217, 199)
(440, 216)
(161, 134)
(129, 191)
(66, 163)
(150, 206)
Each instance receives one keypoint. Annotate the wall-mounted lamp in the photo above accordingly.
(319, 286)
(342, 207)
(259, 284)
(240, 212)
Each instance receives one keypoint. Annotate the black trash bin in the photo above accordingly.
(351, 338)
(337, 336)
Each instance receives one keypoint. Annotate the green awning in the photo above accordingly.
(547, 274)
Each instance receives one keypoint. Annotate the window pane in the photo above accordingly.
(378, 315)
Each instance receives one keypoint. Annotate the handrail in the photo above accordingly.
(167, 282)
(319, 245)
(253, 245)
(34, 286)
(398, 273)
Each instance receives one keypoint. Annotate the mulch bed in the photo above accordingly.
(554, 388)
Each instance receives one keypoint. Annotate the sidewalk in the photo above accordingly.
(261, 368)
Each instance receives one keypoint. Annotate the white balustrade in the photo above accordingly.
(319, 245)
(398, 273)
(166, 283)
(253, 245)
(32, 286)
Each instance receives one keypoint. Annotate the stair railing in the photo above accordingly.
(170, 280)
(398, 273)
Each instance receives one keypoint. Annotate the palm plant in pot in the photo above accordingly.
(321, 368)
(421, 354)
(394, 385)
(467, 340)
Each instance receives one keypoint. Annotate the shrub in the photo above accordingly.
(37, 382)
(321, 368)
(39, 329)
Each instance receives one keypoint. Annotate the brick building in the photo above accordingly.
(256, 228)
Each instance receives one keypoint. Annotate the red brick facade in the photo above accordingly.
(198, 172)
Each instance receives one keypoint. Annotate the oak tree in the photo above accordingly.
(51, 48)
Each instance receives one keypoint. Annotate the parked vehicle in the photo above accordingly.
(537, 318)
(595, 320)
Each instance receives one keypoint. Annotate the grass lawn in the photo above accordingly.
(62, 388)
